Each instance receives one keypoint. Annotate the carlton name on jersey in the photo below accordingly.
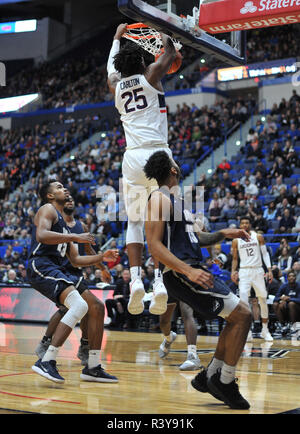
(129, 83)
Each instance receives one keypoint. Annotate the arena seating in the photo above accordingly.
(194, 132)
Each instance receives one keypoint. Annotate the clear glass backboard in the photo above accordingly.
(180, 18)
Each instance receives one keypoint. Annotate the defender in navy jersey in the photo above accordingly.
(76, 227)
(51, 241)
(175, 240)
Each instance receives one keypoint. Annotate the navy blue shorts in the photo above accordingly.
(50, 279)
(208, 303)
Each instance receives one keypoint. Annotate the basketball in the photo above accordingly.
(175, 65)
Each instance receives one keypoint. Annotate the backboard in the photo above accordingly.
(180, 18)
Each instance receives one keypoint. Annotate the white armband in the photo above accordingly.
(113, 51)
(266, 256)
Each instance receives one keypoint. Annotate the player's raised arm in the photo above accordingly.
(207, 239)
(157, 70)
(113, 77)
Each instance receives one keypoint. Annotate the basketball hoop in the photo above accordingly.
(149, 39)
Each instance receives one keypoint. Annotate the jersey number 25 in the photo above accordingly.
(134, 96)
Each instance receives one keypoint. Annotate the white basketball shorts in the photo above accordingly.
(136, 187)
(252, 277)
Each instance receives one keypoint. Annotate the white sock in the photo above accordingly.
(135, 272)
(265, 326)
(227, 374)
(157, 274)
(192, 349)
(94, 358)
(213, 366)
(50, 354)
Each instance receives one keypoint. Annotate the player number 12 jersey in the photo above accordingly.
(249, 252)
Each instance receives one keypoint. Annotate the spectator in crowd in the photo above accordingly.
(296, 269)
(11, 277)
(260, 223)
(270, 211)
(215, 208)
(275, 190)
(293, 195)
(250, 188)
(286, 305)
(286, 222)
(117, 306)
(241, 209)
(285, 261)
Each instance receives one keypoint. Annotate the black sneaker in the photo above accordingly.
(48, 370)
(200, 383)
(97, 374)
(228, 392)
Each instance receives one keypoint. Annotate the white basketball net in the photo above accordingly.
(149, 39)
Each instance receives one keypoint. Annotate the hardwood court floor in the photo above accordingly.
(269, 376)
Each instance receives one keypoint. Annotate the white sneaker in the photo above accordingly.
(107, 321)
(192, 363)
(158, 304)
(137, 292)
(250, 337)
(165, 346)
(266, 335)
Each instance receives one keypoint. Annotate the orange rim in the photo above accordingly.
(137, 26)
(140, 26)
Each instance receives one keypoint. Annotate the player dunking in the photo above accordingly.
(51, 241)
(176, 243)
(76, 227)
(140, 100)
(251, 272)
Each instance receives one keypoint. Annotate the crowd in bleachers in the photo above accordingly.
(79, 77)
(92, 174)
(263, 182)
(272, 43)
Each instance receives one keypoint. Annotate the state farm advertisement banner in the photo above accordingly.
(230, 15)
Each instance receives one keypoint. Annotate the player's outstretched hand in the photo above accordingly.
(236, 233)
(86, 237)
(201, 277)
(110, 255)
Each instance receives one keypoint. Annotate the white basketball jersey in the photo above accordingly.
(143, 112)
(249, 252)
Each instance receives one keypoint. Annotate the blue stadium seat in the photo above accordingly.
(2, 251)
(220, 225)
(231, 213)
(185, 169)
(275, 224)
(274, 246)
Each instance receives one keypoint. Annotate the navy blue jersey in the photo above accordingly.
(76, 229)
(179, 235)
(54, 251)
